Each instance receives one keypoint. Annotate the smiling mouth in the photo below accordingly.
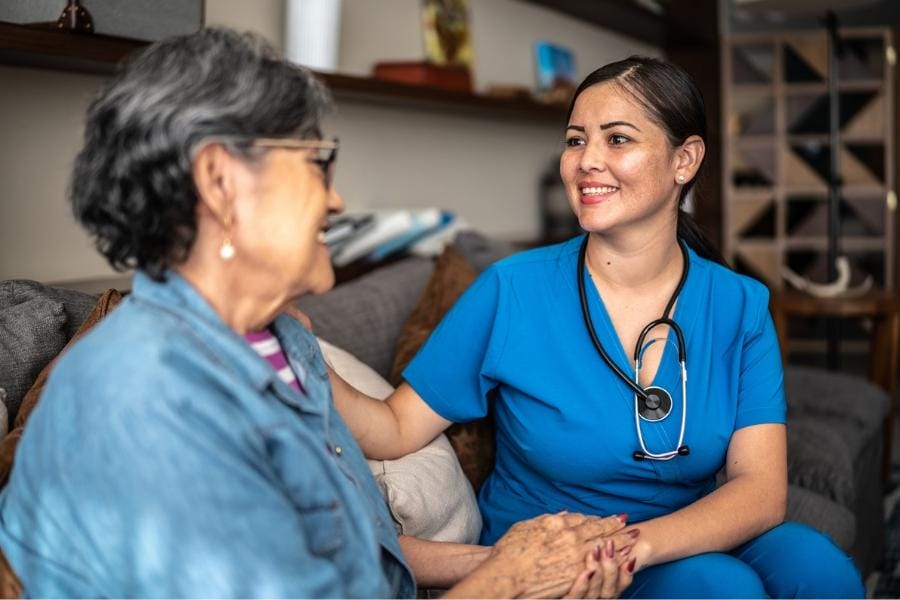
(598, 191)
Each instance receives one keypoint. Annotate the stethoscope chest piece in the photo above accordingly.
(656, 406)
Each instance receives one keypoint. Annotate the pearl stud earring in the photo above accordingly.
(680, 179)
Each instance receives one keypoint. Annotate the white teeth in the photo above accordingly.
(604, 189)
(320, 237)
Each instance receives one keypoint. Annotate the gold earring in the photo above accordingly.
(226, 250)
(680, 179)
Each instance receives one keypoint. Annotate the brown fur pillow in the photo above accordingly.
(473, 442)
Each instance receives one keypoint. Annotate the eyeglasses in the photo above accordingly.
(325, 150)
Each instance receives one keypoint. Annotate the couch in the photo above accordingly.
(834, 420)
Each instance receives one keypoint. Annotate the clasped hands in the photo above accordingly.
(569, 555)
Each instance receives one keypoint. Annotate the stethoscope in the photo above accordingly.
(653, 403)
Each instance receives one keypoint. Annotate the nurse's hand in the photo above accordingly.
(545, 555)
(607, 572)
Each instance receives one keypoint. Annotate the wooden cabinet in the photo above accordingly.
(776, 151)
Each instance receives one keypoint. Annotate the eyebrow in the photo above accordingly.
(605, 126)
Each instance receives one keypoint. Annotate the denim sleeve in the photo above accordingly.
(761, 391)
(204, 516)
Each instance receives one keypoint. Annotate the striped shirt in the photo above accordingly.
(266, 345)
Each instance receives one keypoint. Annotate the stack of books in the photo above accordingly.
(375, 235)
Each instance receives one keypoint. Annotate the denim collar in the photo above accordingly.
(178, 297)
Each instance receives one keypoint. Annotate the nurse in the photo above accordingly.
(574, 434)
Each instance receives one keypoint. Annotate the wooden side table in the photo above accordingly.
(884, 311)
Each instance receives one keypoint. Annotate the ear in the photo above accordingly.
(213, 178)
(688, 158)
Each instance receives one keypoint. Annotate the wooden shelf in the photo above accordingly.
(825, 139)
(848, 244)
(393, 94)
(847, 191)
(28, 46)
(860, 85)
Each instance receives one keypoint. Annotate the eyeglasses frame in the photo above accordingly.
(325, 164)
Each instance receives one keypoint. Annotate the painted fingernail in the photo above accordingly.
(591, 575)
(634, 533)
(630, 566)
(610, 550)
(623, 517)
(596, 552)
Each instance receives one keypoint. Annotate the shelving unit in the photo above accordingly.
(42, 48)
(777, 148)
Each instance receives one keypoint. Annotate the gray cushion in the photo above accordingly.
(77, 305)
(31, 334)
(829, 517)
(481, 251)
(839, 396)
(820, 459)
(365, 316)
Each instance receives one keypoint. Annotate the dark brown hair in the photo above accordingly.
(672, 100)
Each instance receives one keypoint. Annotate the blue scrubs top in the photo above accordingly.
(515, 345)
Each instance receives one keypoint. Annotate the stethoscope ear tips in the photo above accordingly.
(684, 451)
(638, 455)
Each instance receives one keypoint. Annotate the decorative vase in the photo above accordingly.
(75, 17)
(312, 33)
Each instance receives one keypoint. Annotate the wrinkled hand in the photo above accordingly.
(553, 555)
(299, 315)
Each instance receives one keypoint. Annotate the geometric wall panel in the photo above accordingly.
(868, 121)
(854, 171)
(752, 115)
(867, 157)
(761, 262)
(751, 216)
(753, 166)
(752, 63)
(805, 61)
(778, 153)
(798, 172)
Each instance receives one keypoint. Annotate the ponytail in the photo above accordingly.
(693, 236)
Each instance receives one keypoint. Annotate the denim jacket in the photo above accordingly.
(167, 459)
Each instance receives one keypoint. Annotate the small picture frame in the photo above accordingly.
(446, 33)
(554, 66)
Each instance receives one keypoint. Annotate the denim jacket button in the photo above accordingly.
(338, 450)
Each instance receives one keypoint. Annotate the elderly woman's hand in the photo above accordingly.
(567, 554)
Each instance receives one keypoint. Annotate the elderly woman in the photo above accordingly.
(188, 445)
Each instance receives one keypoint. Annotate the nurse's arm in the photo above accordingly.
(752, 501)
(386, 430)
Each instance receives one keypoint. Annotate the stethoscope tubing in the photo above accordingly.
(635, 385)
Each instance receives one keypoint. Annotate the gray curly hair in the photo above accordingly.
(132, 187)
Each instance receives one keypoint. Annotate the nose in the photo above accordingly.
(592, 158)
(335, 201)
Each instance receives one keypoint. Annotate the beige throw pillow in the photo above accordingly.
(428, 495)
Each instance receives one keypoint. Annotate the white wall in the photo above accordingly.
(484, 168)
